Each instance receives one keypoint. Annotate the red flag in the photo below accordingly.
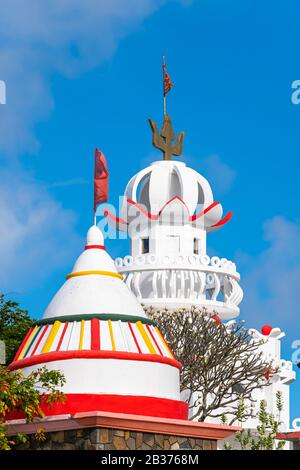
(167, 81)
(100, 179)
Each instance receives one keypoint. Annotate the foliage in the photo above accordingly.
(264, 437)
(220, 363)
(14, 324)
(27, 394)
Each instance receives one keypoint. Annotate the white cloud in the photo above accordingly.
(39, 38)
(272, 279)
(37, 235)
(219, 173)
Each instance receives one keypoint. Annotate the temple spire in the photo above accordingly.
(164, 140)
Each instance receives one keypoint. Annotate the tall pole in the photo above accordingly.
(164, 94)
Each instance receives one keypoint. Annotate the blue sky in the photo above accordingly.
(81, 74)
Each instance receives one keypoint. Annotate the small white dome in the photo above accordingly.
(94, 285)
(94, 236)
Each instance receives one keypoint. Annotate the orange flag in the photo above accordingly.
(100, 179)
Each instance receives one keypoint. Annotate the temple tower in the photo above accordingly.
(168, 210)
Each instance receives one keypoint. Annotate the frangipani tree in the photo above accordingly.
(221, 362)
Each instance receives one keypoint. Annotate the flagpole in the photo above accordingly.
(164, 95)
(95, 218)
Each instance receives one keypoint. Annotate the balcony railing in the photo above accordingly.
(184, 281)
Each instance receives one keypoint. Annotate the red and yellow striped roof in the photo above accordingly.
(92, 334)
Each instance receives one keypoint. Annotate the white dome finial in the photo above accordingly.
(94, 236)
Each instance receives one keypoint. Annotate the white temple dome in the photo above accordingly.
(163, 180)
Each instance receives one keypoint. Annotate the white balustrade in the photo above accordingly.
(184, 280)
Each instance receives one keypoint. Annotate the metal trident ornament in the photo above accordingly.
(164, 140)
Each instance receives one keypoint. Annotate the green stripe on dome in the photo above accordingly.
(101, 316)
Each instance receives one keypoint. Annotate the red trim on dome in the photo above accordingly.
(90, 247)
(118, 220)
(171, 200)
(155, 216)
(192, 218)
(87, 354)
(197, 216)
(224, 221)
(143, 211)
(136, 405)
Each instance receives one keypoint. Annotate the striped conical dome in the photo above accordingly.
(95, 331)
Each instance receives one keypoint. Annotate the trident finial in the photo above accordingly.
(164, 140)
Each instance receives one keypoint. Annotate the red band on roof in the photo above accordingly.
(87, 354)
(99, 247)
(137, 405)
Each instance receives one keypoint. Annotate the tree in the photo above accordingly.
(221, 363)
(27, 394)
(264, 436)
(14, 324)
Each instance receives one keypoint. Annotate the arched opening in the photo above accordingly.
(142, 196)
(175, 186)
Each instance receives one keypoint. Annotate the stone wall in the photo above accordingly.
(115, 439)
